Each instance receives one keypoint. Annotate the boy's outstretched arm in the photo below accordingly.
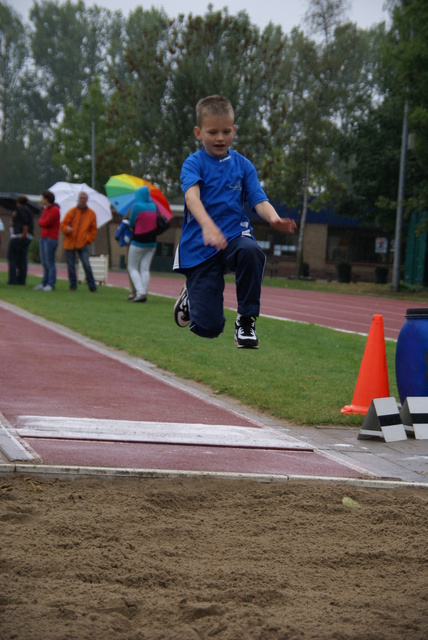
(266, 211)
(211, 234)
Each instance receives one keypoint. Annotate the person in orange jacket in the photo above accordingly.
(79, 227)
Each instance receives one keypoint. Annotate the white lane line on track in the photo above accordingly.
(217, 435)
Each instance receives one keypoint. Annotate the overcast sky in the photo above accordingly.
(287, 13)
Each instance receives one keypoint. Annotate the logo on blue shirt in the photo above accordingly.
(237, 186)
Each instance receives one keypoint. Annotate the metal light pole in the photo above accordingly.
(400, 199)
(93, 164)
(93, 153)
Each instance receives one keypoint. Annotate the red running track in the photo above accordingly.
(44, 373)
(48, 377)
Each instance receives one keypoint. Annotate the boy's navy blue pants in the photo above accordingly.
(205, 285)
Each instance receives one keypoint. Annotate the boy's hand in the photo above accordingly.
(285, 225)
(268, 213)
(211, 234)
(213, 237)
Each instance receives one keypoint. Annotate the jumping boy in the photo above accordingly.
(216, 235)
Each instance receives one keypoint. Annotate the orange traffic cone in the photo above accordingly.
(372, 379)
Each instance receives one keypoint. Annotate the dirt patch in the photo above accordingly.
(201, 558)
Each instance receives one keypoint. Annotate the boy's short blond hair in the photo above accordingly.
(213, 106)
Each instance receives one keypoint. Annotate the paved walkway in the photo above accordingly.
(88, 408)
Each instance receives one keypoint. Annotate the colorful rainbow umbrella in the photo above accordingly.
(121, 190)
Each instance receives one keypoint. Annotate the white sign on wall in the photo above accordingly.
(381, 245)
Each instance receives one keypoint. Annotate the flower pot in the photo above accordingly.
(381, 275)
(344, 272)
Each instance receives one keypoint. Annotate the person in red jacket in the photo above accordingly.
(49, 232)
(79, 227)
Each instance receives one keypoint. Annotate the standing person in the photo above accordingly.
(143, 220)
(21, 234)
(79, 227)
(49, 232)
(123, 237)
(216, 235)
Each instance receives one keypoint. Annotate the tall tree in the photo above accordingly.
(408, 57)
(166, 68)
(330, 89)
(292, 168)
(71, 45)
(25, 164)
(136, 118)
(372, 146)
(73, 139)
(13, 55)
(215, 53)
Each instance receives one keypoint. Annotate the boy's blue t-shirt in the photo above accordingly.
(225, 184)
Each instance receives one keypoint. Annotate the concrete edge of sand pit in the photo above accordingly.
(72, 473)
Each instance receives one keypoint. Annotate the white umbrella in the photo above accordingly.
(66, 196)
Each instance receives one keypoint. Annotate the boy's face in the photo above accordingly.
(216, 134)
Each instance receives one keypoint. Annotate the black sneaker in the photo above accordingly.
(245, 333)
(181, 309)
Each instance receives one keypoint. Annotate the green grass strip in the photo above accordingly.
(301, 373)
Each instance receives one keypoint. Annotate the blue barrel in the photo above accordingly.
(411, 357)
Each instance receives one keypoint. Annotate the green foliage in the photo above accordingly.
(324, 76)
(136, 124)
(71, 45)
(216, 53)
(14, 49)
(319, 116)
(73, 139)
(371, 150)
(373, 155)
(21, 141)
(13, 54)
(405, 58)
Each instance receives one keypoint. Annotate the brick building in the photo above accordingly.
(329, 239)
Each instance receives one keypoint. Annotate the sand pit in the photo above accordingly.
(201, 558)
